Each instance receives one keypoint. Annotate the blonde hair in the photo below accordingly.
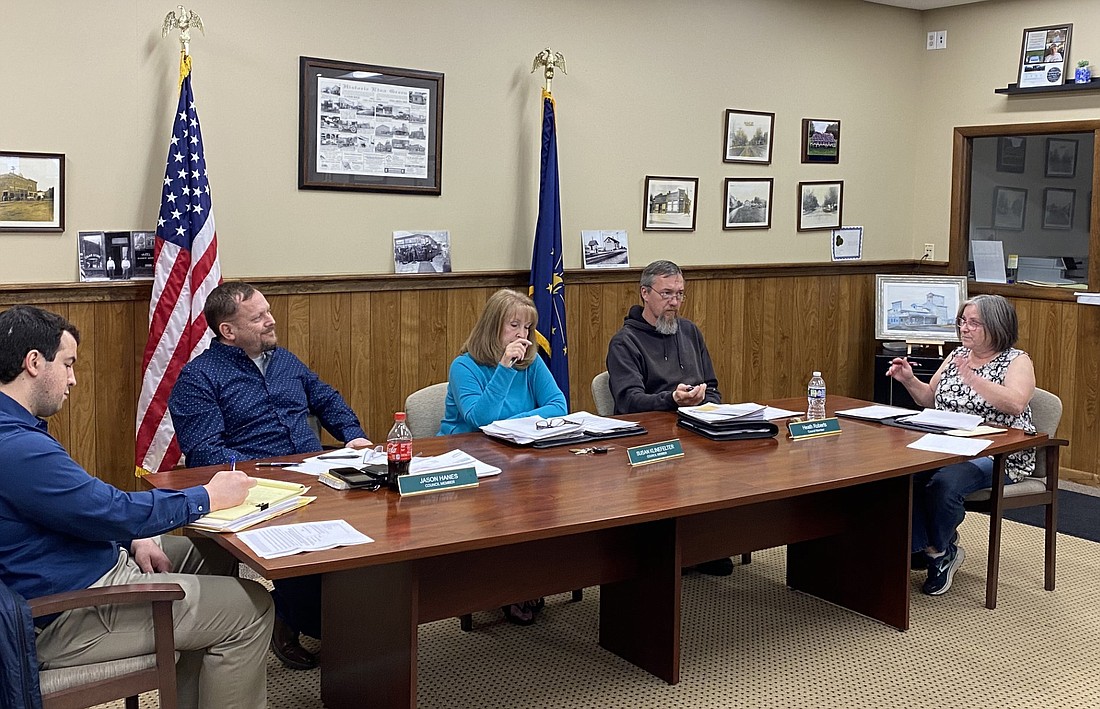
(484, 344)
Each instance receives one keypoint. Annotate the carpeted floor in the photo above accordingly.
(1078, 512)
(748, 641)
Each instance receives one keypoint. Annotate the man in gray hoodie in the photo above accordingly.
(658, 361)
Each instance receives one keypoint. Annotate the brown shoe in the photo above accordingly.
(284, 643)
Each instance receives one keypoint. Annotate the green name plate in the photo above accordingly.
(655, 452)
(436, 481)
(813, 429)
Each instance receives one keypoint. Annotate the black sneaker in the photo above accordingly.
(942, 569)
(718, 567)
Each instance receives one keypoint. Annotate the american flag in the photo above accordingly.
(186, 271)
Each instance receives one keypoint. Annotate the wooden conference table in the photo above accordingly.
(554, 521)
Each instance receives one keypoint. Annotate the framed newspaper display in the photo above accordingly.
(1044, 56)
(369, 128)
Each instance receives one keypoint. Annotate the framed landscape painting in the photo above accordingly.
(819, 204)
(32, 191)
(820, 141)
(749, 136)
(748, 203)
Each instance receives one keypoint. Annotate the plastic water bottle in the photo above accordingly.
(398, 449)
(815, 397)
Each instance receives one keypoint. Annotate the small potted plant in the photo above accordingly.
(1082, 74)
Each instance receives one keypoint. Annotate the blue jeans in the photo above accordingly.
(938, 500)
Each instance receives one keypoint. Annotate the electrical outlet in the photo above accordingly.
(929, 252)
(941, 39)
(931, 40)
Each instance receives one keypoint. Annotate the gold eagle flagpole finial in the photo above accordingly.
(549, 59)
(182, 20)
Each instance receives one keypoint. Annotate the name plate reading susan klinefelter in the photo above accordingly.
(436, 481)
(655, 452)
(814, 429)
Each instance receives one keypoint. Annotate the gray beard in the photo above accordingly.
(666, 326)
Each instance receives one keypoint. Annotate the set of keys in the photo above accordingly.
(595, 450)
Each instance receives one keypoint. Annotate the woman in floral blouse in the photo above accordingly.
(986, 376)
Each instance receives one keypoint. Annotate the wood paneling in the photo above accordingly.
(377, 340)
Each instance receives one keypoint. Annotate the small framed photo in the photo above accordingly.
(748, 203)
(32, 191)
(605, 248)
(1061, 157)
(1044, 56)
(1011, 153)
(918, 308)
(369, 128)
(819, 204)
(1009, 208)
(749, 136)
(670, 203)
(421, 252)
(1058, 208)
(820, 141)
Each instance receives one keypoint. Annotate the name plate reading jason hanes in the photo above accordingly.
(436, 481)
(815, 428)
(655, 452)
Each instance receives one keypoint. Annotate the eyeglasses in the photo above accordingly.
(669, 295)
(972, 324)
(554, 423)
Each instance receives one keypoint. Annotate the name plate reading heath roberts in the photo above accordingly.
(815, 428)
(655, 452)
(436, 481)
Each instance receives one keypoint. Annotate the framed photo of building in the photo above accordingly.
(749, 136)
(369, 128)
(820, 140)
(1011, 153)
(918, 308)
(32, 191)
(421, 252)
(1058, 208)
(1044, 56)
(748, 203)
(669, 203)
(1061, 157)
(819, 205)
(605, 248)
(1009, 208)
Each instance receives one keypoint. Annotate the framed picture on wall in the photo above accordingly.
(670, 203)
(1044, 56)
(369, 128)
(1009, 208)
(1058, 208)
(819, 204)
(1011, 153)
(1061, 157)
(748, 203)
(918, 307)
(749, 136)
(32, 191)
(820, 140)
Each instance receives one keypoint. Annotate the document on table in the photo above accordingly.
(947, 420)
(451, 461)
(342, 458)
(287, 539)
(876, 412)
(954, 445)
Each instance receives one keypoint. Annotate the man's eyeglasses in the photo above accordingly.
(669, 295)
(554, 423)
(972, 324)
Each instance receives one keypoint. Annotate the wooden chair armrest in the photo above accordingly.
(105, 595)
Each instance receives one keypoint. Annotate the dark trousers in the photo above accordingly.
(298, 603)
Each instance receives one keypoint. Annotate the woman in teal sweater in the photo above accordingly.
(499, 374)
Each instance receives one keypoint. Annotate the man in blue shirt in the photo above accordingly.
(62, 529)
(246, 397)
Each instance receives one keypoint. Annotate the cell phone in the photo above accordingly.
(361, 477)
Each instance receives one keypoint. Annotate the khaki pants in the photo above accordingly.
(222, 627)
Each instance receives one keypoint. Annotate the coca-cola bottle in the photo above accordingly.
(398, 449)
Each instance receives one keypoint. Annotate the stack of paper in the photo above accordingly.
(286, 539)
(594, 425)
(946, 419)
(342, 458)
(724, 413)
(266, 499)
(451, 461)
(876, 412)
(533, 428)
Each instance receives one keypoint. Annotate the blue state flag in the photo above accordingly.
(547, 282)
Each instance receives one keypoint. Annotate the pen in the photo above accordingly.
(338, 456)
(280, 464)
(232, 462)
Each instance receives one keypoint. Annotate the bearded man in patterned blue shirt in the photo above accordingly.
(246, 397)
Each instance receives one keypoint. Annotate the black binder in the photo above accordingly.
(730, 430)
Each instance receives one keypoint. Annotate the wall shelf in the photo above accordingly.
(1068, 86)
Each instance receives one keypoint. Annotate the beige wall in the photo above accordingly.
(646, 94)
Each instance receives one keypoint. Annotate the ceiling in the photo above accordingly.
(923, 4)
